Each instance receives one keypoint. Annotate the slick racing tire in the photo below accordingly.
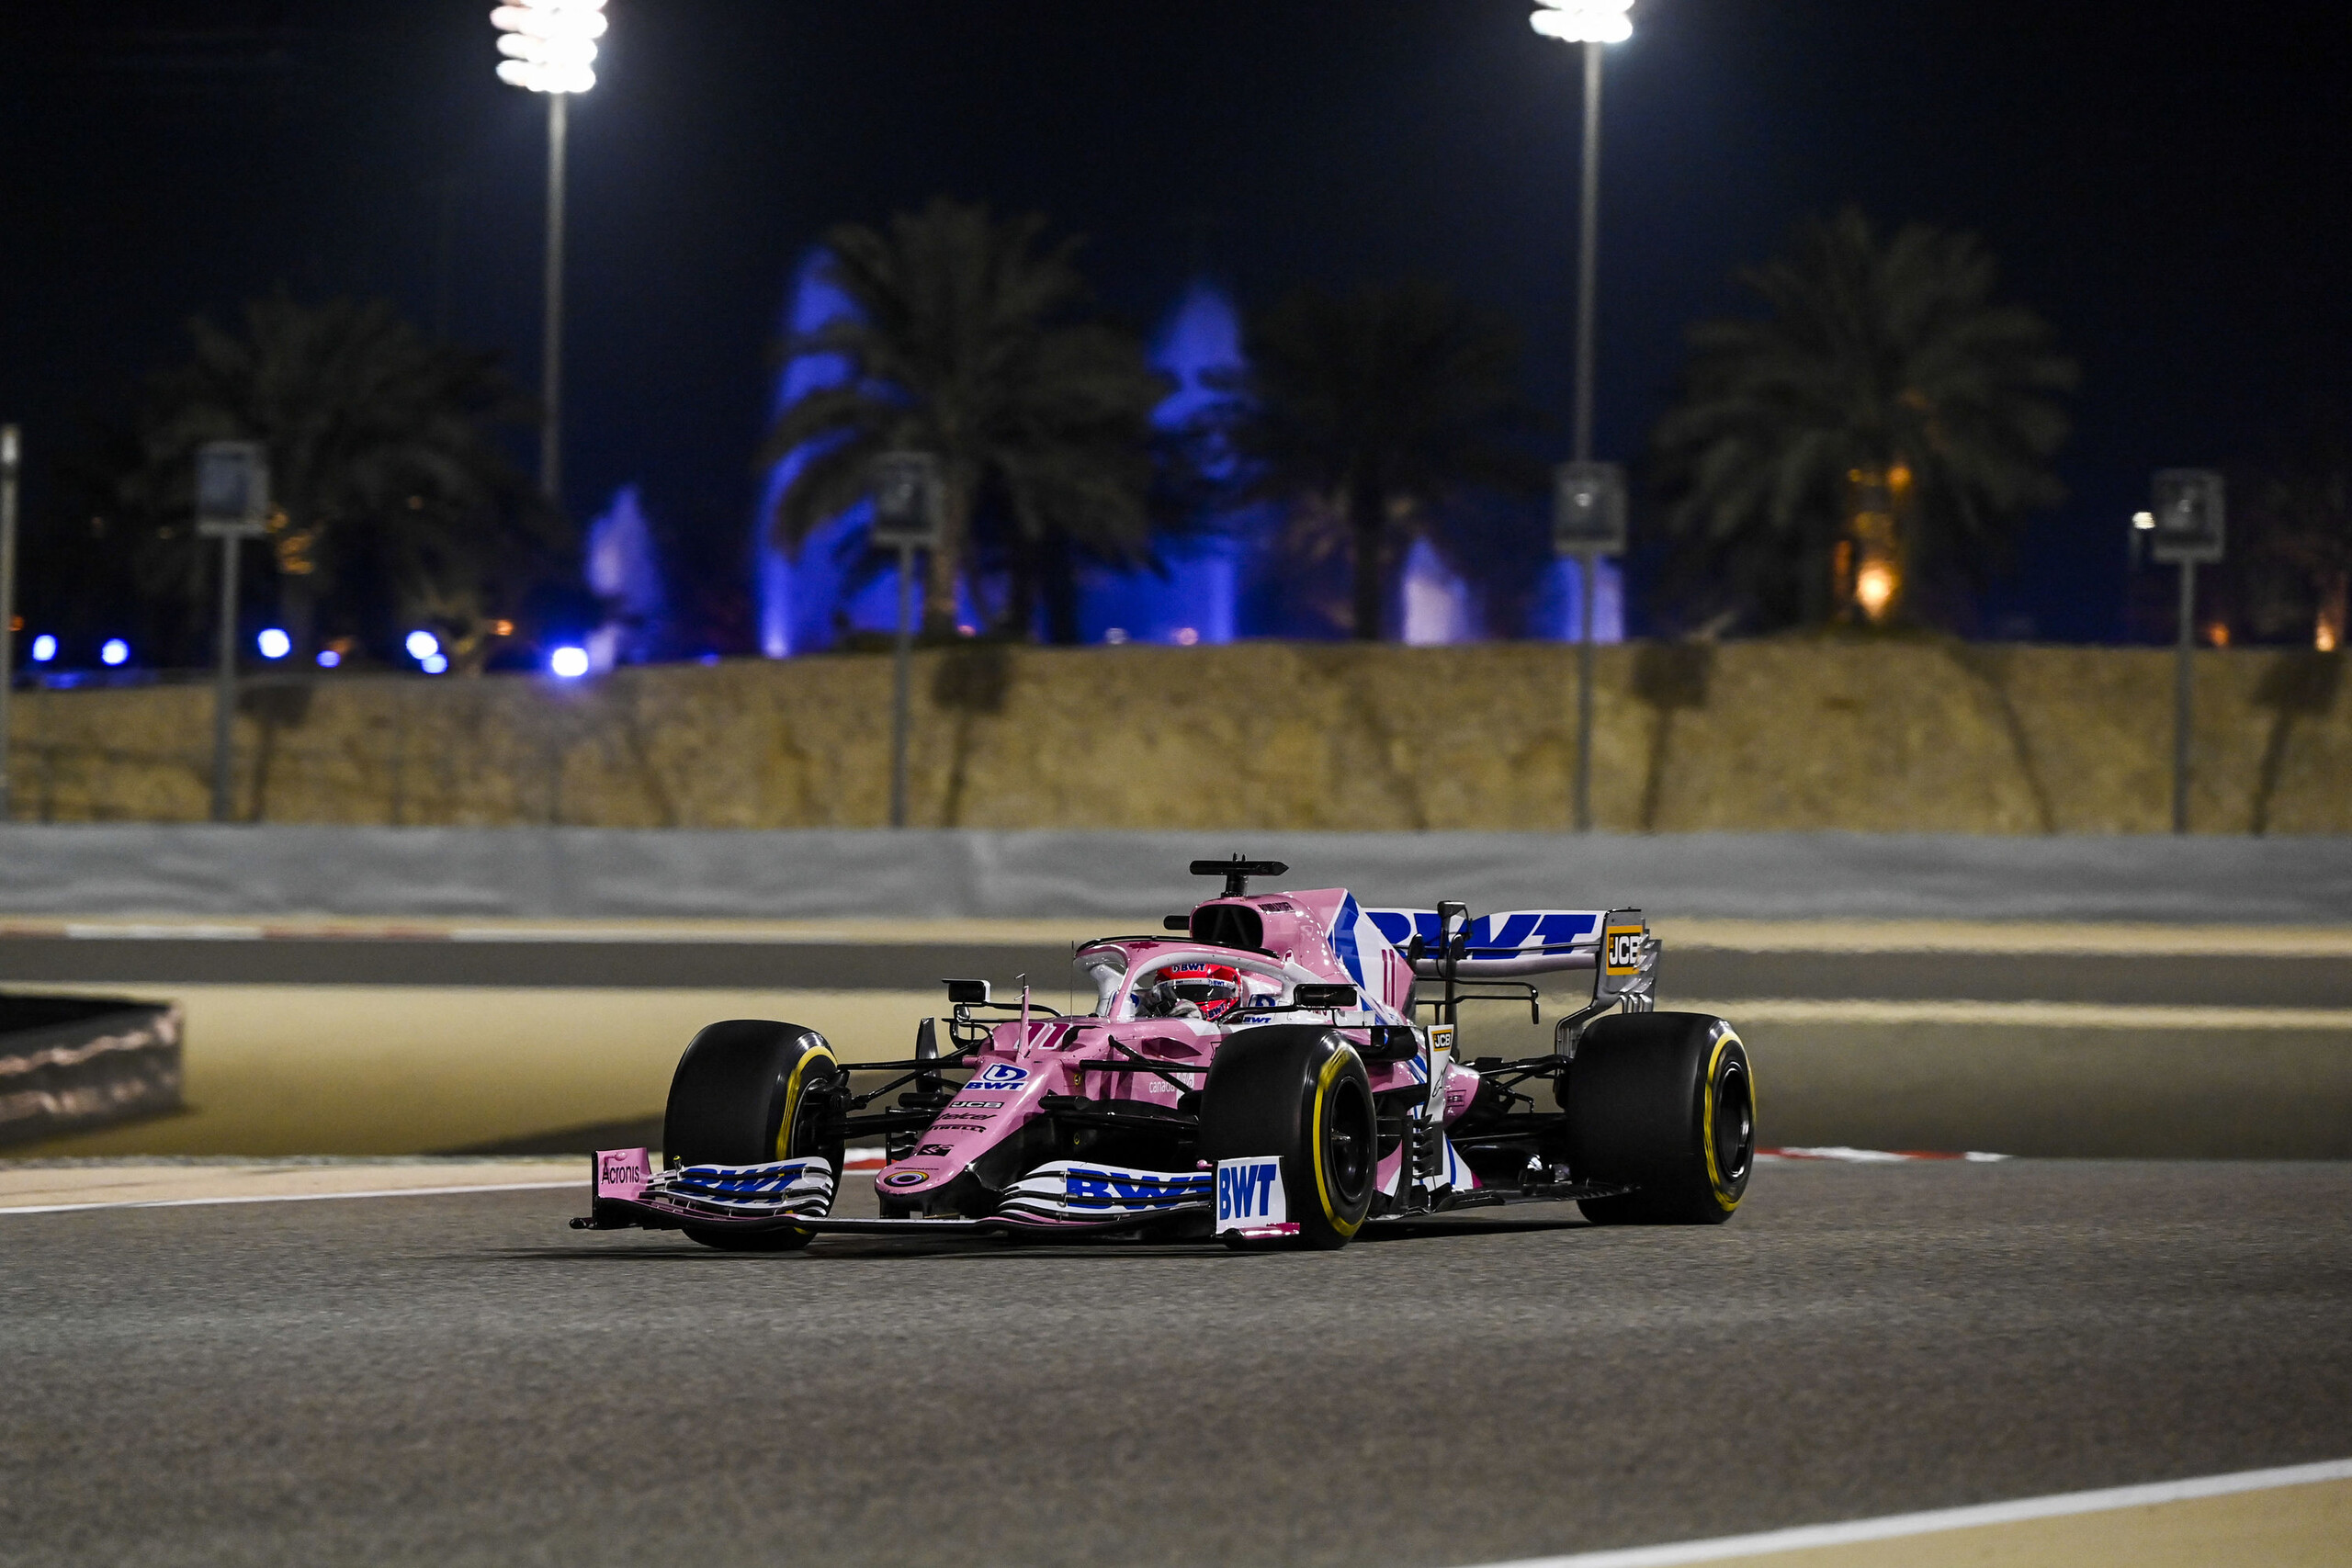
(1300, 1093)
(1665, 1103)
(751, 1093)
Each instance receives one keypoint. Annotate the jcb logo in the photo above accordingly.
(1623, 948)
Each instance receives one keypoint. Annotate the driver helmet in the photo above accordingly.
(1198, 990)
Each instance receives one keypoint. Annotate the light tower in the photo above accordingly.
(550, 47)
(1591, 495)
(1593, 24)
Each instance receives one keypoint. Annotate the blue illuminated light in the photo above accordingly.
(44, 649)
(624, 571)
(274, 643)
(569, 663)
(1205, 588)
(434, 663)
(116, 651)
(329, 659)
(422, 646)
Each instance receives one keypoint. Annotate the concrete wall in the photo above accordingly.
(1744, 736)
(634, 873)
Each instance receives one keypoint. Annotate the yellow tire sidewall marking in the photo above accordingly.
(1332, 1068)
(1724, 1041)
(792, 1091)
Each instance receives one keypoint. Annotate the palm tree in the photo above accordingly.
(1375, 414)
(2296, 568)
(1885, 420)
(963, 344)
(392, 496)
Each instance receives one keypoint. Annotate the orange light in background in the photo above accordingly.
(1874, 588)
(2217, 633)
(2325, 639)
(501, 629)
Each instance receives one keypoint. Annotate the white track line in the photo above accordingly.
(853, 1164)
(1838, 1152)
(2138, 1016)
(1807, 1538)
(296, 1197)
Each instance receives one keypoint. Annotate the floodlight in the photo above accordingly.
(434, 664)
(422, 646)
(1584, 22)
(551, 45)
(274, 643)
(116, 651)
(44, 649)
(569, 663)
(1874, 588)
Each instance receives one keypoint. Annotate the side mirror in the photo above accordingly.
(968, 993)
(1390, 1043)
(1318, 998)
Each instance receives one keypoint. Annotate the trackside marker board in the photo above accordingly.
(1249, 1194)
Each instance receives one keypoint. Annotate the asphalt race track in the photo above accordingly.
(2152, 979)
(460, 1379)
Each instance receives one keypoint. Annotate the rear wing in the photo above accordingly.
(1521, 942)
(1448, 943)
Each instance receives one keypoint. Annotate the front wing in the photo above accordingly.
(1065, 1199)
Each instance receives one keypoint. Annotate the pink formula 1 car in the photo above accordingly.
(1277, 1068)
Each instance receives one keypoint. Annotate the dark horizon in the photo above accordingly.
(2161, 191)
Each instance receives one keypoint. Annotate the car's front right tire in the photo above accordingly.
(1299, 1092)
(749, 1091)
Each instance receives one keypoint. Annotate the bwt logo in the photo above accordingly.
(1108, 1186)
(1000, 1075)
(749, 1185)
(1249, 1192)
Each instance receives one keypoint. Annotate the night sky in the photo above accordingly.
(2165, 182)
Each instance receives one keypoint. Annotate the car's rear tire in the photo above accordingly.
(1665, 1103)
(1298, 1091)
(749, 1092)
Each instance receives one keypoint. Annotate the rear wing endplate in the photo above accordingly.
(1627, 970)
